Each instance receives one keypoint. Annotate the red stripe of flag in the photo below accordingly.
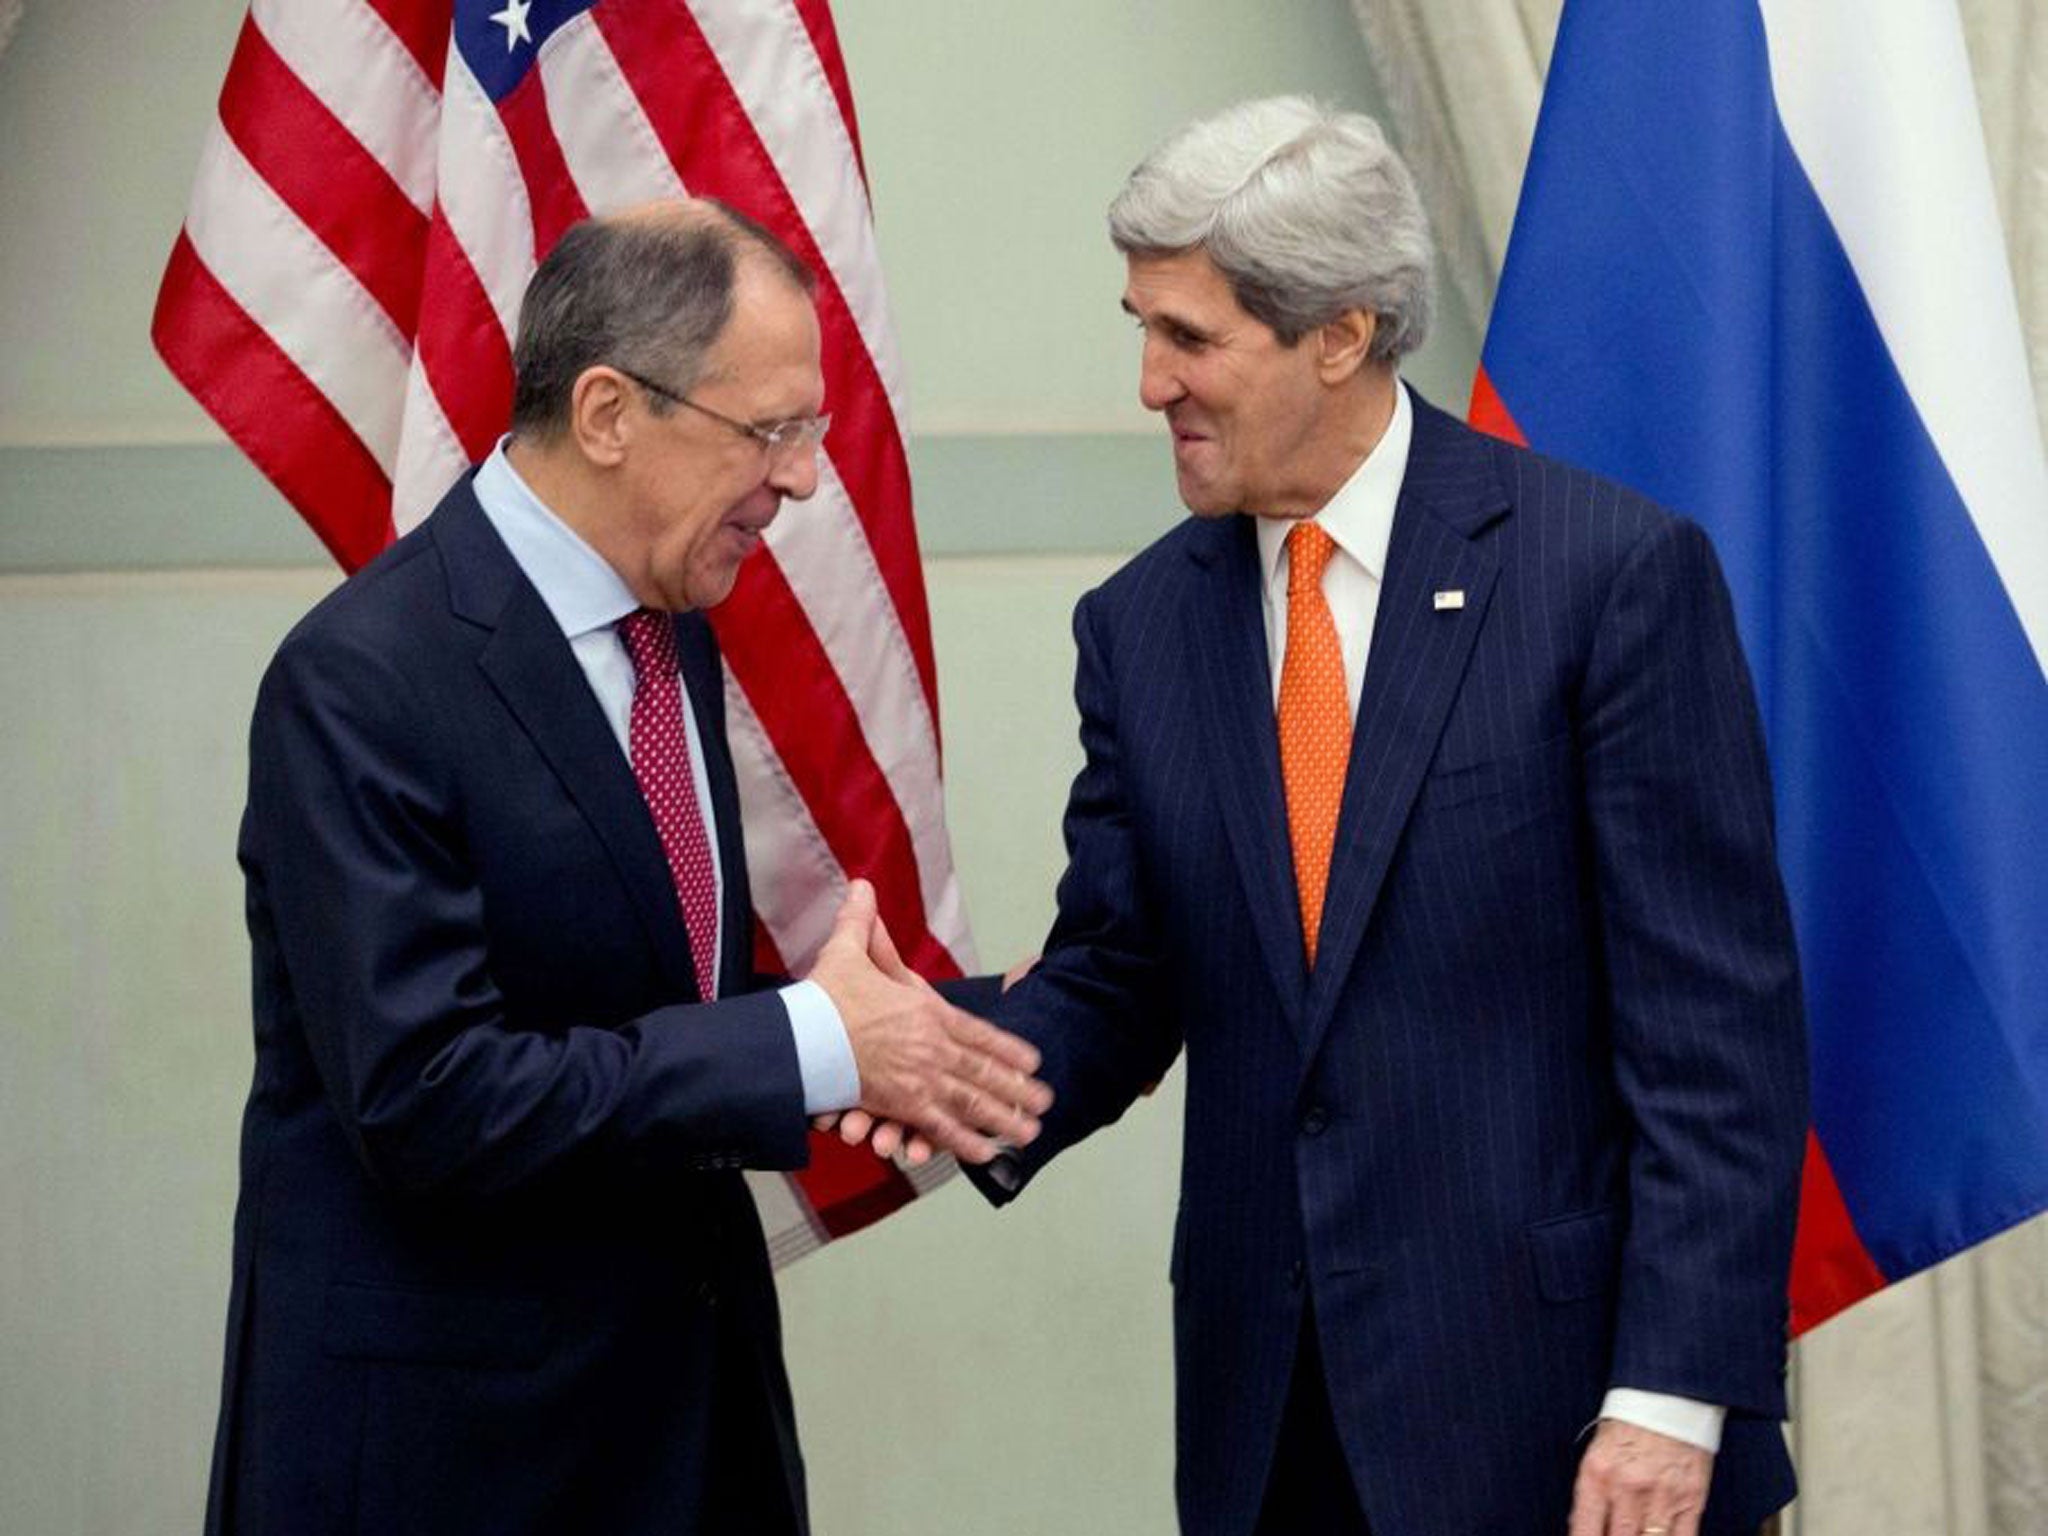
(777, 659)
(704, 127)
(320, 169)
(462, 345)
(1831, 1269)
(273, 411)
(550, 189)
(849, 1187)
(423, 26)
(1489, 413)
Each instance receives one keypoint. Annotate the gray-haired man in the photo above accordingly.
(1425, 806)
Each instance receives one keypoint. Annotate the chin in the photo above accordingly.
(1206, 506)
(710, 590)
(1205, 500)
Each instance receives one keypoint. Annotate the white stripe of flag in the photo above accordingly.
(346, 55)
(1903, 177)
(290, 284)
(766, 53)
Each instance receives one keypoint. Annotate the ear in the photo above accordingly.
(1343, 345)
(598, 418)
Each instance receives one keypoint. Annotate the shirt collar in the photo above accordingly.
(1360, 518)
(579, 588)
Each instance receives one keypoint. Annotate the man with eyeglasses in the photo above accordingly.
(495, 1265)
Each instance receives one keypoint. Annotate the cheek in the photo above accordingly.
(700, 520)
(710, 552)
(683, 547)
(1268, 423)
(705, 542)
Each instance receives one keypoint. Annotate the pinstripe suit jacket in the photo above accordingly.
(1532, 1125)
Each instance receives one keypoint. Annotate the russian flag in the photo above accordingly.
(1756, 272)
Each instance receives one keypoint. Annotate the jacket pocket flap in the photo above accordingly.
(374, 1322)
(1535, 771)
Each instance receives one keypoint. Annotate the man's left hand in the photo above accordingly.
(1635, 1482)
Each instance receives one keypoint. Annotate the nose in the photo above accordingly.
(794, 472)
(1158, 385)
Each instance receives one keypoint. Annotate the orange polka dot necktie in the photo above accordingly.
(661, 763)
(1315, 723)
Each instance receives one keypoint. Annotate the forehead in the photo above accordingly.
(1186, 286)
(772, 340)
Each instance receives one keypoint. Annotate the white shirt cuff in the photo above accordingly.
(1682, 1418)
(824, 1056)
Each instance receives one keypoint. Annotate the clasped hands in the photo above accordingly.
(932, 1077)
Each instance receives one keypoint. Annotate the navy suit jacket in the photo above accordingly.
(1532, 1125)
(495, 1265)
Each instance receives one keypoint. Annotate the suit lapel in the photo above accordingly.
(1227, 636)
(529, 663)
(1417, 660)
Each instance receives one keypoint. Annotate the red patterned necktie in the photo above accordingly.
(661, 763)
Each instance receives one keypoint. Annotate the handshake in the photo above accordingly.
(932, 1077)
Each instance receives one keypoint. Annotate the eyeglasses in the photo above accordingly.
(781, 438)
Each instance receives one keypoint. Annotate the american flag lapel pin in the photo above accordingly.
(1454, 598)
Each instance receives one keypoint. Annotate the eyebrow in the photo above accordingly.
(1167, 317)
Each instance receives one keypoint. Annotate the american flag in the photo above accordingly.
(381, 181)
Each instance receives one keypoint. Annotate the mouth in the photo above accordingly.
(753, 523)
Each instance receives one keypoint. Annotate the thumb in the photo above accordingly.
(882, 950)
(854, 923)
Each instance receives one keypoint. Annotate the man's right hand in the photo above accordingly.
(923, 1063)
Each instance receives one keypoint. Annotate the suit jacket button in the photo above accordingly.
(1296, 1272)
(707, 1293)
(1315, 1120)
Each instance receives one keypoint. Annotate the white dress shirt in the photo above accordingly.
(588, 598)
(1360, 520)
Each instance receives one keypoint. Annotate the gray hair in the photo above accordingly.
(1306, 210)
(647, 292)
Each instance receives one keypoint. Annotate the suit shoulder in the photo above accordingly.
(405, 578)
(373, 620)
(1604, 510)
(1161, 569)
(1578, 543)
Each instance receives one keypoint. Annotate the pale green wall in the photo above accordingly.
(996, 135)
(955, 1370)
